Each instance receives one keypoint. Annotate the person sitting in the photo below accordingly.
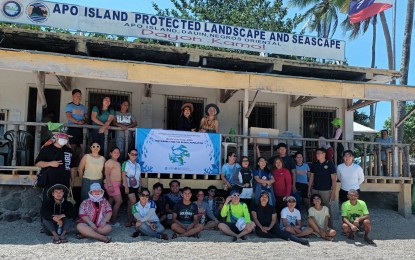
(238, 221)
(174, 197)
(147, 222)
(318, 219)
(205, 214)
(355, 216)
(185, 220)
(209, 123)
(95, 213)
(215, 203)
(186, 122)
(160, 201)
(291, 220)
(265, 219)
(57, 213)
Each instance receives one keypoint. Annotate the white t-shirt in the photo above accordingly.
(291, 217)
(350, 177)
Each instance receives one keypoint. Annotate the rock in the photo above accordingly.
(27, 219)
(12, 204)
(33, 213)
(33, 203)
(11, 217)
(17, 195)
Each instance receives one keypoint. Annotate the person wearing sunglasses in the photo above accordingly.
(91, 169)
(131, 179)
(147, 222)
(238, 222)
(229, 173)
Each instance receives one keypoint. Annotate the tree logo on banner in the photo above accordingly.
(178, 154)
(12, 9)
(37, 12)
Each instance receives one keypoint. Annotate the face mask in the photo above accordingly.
(62, 141)
(96, 198)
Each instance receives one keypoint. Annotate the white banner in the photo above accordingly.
(168, 151)
(99, 20)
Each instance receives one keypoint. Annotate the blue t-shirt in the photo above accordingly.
(78, 111)
(103, 117)
(301, 173)
(230, 171)
(322, 174)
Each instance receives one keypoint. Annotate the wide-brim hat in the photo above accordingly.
(212, 105)
(189, 105)
(57, 187)
(95, 186)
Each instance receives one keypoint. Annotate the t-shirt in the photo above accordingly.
(283, 182)
(173, 199)
(245, 176)
(62, 173)
(301, 173)
(322, 174)
(237, 211)
(264, 214)
(351, 212)
(78, 111)
(139, 212)
(124, 119)
(131, 170)
(185, 213)
(291, 217)
(319, 215)
(288, 161)
(161, 205)
(103, 117)
(350, 177)
(230, 171)
(94, 167)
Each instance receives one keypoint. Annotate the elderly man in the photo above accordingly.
(349, 174)
(56, 161)
(355, 216)
(238, 221)
(385, 142)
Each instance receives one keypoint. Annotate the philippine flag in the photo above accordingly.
(362, 9)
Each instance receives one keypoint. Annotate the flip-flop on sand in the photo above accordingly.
(57, 241)
(369, 241)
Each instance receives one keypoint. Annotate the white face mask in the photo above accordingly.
(62, 141)
(96, 198)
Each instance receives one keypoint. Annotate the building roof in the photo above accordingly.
(359, 129)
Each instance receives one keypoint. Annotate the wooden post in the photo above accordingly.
(41, 103)
(404, 201)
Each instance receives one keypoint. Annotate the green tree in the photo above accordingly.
(408, 129)
(361, 118)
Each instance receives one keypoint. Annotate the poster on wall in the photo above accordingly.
(131, 24)
(168, 151)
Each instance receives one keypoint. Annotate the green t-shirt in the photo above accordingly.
(351, 212)
(238, 211)
(103, 117)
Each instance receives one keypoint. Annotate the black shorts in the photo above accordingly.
(133, 191)
(77, 135)
(233, 227)
(302, 188)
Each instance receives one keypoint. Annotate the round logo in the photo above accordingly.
(37, 12)
(12, 9)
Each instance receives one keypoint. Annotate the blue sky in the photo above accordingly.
(358, 52)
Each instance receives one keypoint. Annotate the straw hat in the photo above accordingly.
(189, 105)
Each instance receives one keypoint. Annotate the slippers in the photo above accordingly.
(351, 236)
(369, 241)
(128, 224)
(57, 241)
(80, 236)
(174, 236)
(108, 240)
(64, 240)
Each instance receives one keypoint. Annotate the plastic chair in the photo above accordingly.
(6, 153)
(23, 140)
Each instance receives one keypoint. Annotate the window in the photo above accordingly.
(173, 109)
(262, 115)
(317, 119)
(4, 115)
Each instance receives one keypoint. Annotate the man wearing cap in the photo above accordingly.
(238, 220)
(355, 216)
(350, 175)
(56, 213)
(209, 123)
(186, 122)
(323, 180)
(77, 114)
(56, 160)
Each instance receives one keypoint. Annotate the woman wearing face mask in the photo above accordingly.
(95, 213)
(55, 158)
(91, 169)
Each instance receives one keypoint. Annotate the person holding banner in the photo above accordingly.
(209, 123)
(186, 122)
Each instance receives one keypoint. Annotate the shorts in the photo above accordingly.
(116, 186)
(302, 188)
(233, 227)
(133, 190)
(77, 135)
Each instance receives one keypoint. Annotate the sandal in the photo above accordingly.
(351, 236)
(80, 236)
(174, 236)
(128, 224)
(64, 240)
(108, 240)
(57, 241)
(369, 241)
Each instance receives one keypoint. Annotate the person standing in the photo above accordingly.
(102, 115)
(186, 122)
(112, 171)
(338, 135)
(385, 144)
(323, 180)
(230, 171)
(350, 175)
(56, 160)
(209, 123)
(77, 114)
(124, 120)
(282, 183)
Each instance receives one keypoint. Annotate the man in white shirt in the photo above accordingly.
(350, 175)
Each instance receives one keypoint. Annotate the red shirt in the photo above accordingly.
(283, 182)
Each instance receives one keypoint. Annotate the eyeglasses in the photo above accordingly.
(145, 195)
(291, 201)
(245, 160)
(95, 146)
(316, 198)
(200, 195)
(212, 190)
(233, 156)
(133, 154)
(235, 195)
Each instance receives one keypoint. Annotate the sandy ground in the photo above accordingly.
(393, 234)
